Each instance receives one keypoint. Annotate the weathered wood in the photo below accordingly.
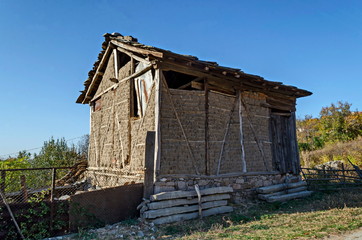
(96, 75)
(116, 66)
(207, 164)
(185, 194)
(292, 190)
(136, 74)
(149, 164)
(12, 215)
(136, 49)
(157, 123)
(290, 196)
(188, 216)
(279, 187)
(179, 202)
(132, 55)
(243, 160)
(3, 180)
(176, 210)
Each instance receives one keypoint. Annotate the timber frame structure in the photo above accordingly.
(212, 125)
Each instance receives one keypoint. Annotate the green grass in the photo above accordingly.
(318, 216)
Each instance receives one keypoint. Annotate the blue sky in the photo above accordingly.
(48, 47)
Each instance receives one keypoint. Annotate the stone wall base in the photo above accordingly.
(243, 185)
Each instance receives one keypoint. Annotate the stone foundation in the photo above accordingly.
(244, 184)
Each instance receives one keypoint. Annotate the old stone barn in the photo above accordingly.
(213, 125)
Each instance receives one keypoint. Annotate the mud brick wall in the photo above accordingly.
(244, 185)
(116, 152)
(190, 107)
(221, 107)
(259, 117)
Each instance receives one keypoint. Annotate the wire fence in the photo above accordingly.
(29, 199)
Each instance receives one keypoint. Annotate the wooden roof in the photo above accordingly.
(238, 77)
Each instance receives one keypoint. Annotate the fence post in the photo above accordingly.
(24, 190)
(52, 192)
(3, 179)
(343, 173)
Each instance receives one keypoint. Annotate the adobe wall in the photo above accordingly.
(223, 111)
(116, 151)
(190, 108)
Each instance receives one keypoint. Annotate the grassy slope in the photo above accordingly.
(314, 217)
(332, 152)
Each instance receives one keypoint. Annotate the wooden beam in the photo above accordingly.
(115, 57)
(206, 87)
(149, 164)
(243, 159)
(131, 55)
(97, 74)
(137, 49)
(158, 90)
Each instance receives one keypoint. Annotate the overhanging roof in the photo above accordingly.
(116, 40)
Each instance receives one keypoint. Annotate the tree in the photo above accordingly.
(56, 153)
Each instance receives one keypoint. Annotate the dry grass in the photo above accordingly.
(318, 216)
(333, 152)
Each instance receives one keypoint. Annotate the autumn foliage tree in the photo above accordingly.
(336, 123)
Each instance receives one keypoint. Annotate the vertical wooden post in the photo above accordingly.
(343, 173)
(149, 164)
(207, 167)
(54, 170)
(24, 190)
(3, 179)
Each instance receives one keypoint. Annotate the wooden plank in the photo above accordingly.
(116, 66)
(149, 164)
(96, 75)
(243, 159)
(188, 216)
(185, 194)
(157, 157)
(279, 187)
(207, 164)
(3, 181)
(292, 190)
(179, 202)
(290, 196)
(136, 49)
(135, 57)
(176, 210)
